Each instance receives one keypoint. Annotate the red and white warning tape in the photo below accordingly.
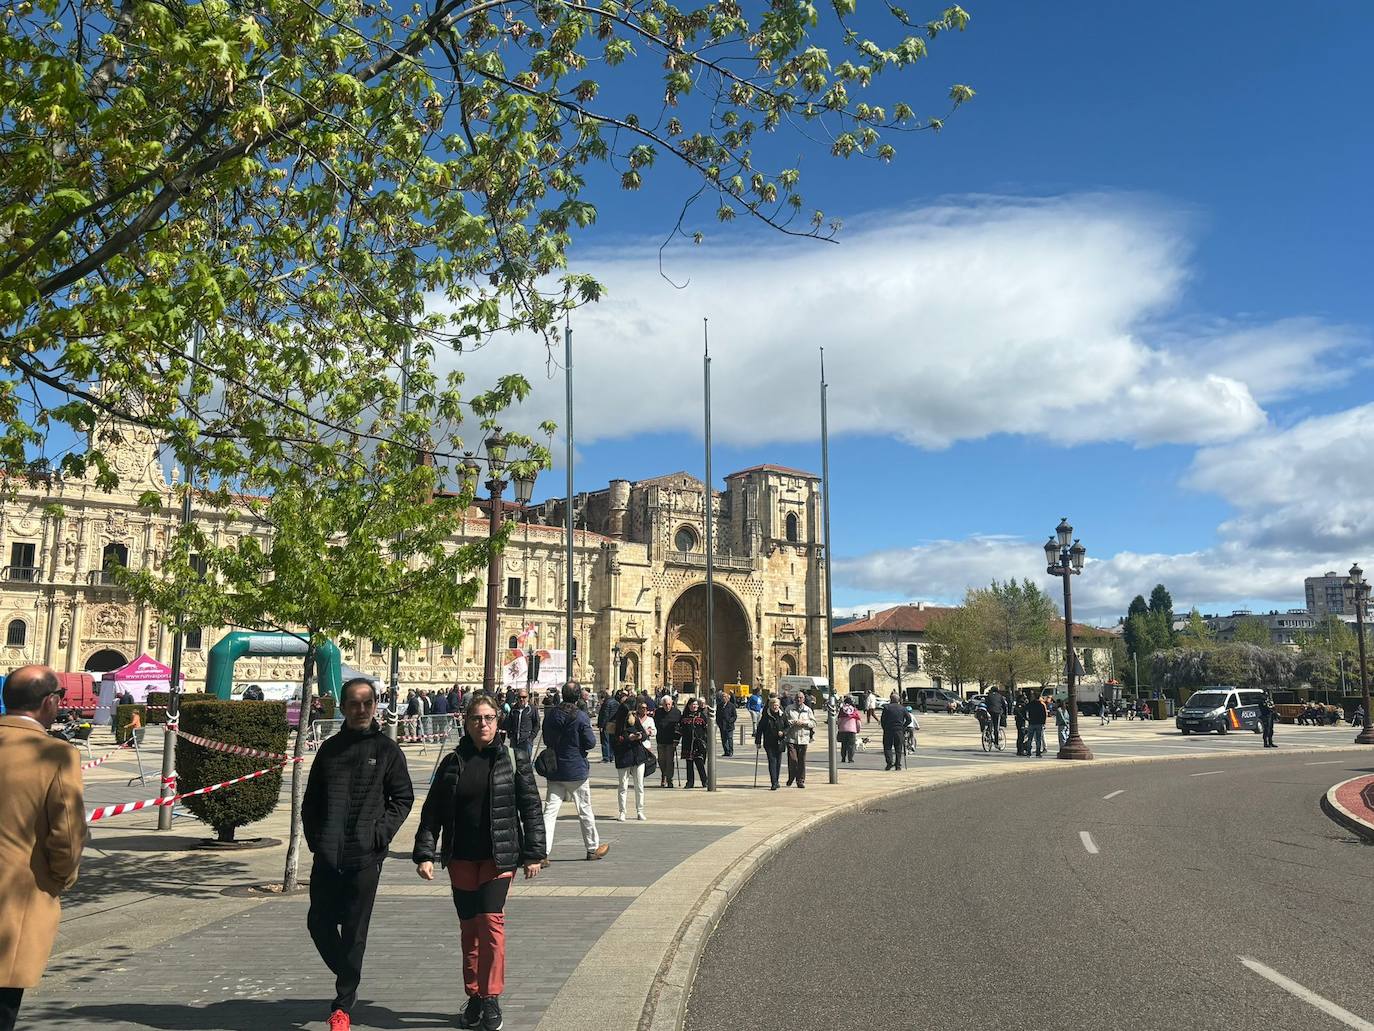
(220, 746)
(107, 757)
(106, 811)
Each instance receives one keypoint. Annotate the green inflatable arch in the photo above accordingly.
(219, 673)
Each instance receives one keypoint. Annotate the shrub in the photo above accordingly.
(123, 716)
(254, 724)
(159, 700)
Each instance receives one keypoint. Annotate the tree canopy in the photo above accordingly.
(326, 187)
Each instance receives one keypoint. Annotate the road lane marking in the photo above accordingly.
(1307, 995)
(1209, 773)
(1326, 762)
(1118, 791)
(1091, 846)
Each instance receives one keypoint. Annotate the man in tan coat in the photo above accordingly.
(42, 831)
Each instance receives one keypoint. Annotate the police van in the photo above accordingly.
(1221, 709)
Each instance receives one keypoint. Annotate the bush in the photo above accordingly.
(159, 700)
(123, 716)
(254, 724)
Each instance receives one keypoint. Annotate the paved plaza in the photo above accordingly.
(158, 934)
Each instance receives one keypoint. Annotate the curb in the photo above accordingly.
(665, 1009)
(1331, 806)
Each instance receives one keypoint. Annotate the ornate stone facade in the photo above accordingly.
(638, 566)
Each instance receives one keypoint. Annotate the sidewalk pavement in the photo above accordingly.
(157, 933)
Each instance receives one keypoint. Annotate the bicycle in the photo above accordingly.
(992, 736)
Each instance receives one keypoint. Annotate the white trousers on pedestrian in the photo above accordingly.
(628, 774)
(580, 792)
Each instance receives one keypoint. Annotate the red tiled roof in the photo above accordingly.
(774, 469)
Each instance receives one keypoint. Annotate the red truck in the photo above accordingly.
(82, 695)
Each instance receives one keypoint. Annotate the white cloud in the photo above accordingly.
(950, 323)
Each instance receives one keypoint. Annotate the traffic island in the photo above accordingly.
(1351, 804)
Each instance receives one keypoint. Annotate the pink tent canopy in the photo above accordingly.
(145, 667)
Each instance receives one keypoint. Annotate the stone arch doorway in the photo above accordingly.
(684, 674)
(105, 660)
(787, 666)
(685, 642)
(860, 679)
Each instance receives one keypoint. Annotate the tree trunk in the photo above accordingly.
(224, 833)
(293, 847)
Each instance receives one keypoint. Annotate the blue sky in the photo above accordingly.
(1128, 283)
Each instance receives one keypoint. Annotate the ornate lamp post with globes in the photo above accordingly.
(1356, 587)
(497, 448)
(1064, 557)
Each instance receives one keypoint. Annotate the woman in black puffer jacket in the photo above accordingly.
(691, 731)
(485, 813)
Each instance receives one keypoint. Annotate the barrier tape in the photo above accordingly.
(220, 746)
(106, 758)
(104, 812)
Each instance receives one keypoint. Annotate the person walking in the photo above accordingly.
(871, 706)
(356, 798)
(726, 715)
(1018, 713)
(691, 731)
(631, 732)
(42, 831)
(1268, 714)
(522, 723)
(847, 729)
(1036, 718)
(771, 735)
(893, 722)
(568, 731)
(1061, 721)
(666, 719)
(801, 728)
(605, 713)
(480, 821)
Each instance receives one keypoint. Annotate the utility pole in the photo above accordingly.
(831, 753)
(568, 513)
(708, 664)
(169, 738)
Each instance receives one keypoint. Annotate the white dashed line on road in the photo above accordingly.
(1307, 995)
(1118, 791)
(1209, 773)
(1088, 843)
(1326, 762)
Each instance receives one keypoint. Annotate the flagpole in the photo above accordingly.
(829, 607)
(708, 664)
(569, 638)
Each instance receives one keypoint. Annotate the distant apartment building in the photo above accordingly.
(1283, 627)
(1326, 595)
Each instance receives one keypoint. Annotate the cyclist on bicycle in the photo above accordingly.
(997, 711)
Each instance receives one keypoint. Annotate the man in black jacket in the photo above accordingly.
(358, 795)
(726, 715)
(522, 722)
(893, 720)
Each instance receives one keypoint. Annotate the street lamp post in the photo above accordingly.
(1064, 557)
(1358, 587)
(497, 448)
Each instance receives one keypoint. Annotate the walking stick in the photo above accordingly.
(756, 766)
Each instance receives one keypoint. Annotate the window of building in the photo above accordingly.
(514, 643)
(22, 561)
(577, 595)
(790, 527)
(198, 565)
(448, 651)
(376, 648)
(685, 539)
(115, 554)
(17, 634)
(193, 639)
(913, 657)
(513, 596)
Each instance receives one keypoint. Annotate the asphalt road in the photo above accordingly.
(983, 905)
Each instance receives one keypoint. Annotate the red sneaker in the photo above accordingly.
(338, 1021)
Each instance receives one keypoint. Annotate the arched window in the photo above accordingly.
(114, 555)
(791, 527)
(17, 634)
(514, 643)
(685, 539)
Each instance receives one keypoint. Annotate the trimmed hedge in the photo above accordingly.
(254, 724)
(159, 700)
(123, 716)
